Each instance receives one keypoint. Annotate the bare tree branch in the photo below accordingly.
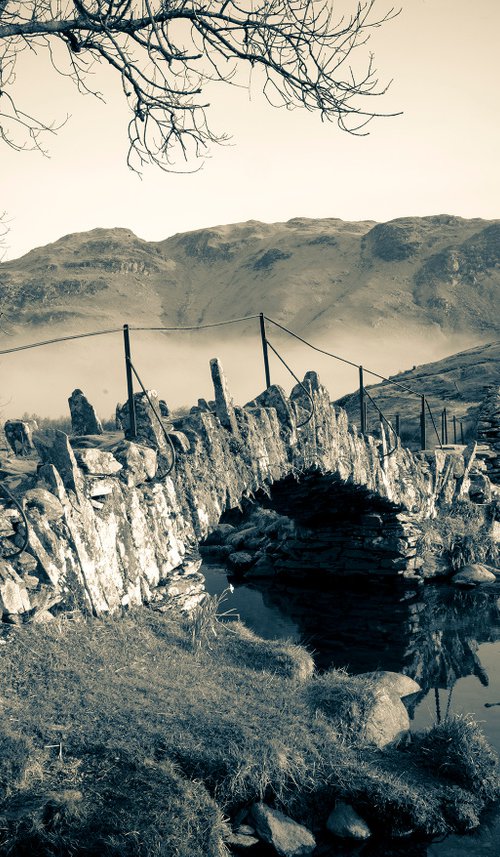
(3, 232)
(165, 52)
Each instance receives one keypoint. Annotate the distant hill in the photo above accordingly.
(388, 295)
(432, 275)
(458, 383)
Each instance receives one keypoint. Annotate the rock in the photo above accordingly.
(26, 562)
(240, 537)
(46, 598)
(60, 454)
(19, 435)
(219, 535)
(98, 462)
(150, 429)
(42, 617)
(215, 552)
(480, 488)
(84, 419)
(240, 561)
(12, 618)
(203, 405)
(14, 598)
(118, 417)
(241, 840)
(387, 721)
(274, 397)
(245, 830)
(139, 462)
(288, 838)
(99, 488)
(395, 684)
(345, 822)
(31, 581)
(473, 575)
(45, 503)
(180, 441)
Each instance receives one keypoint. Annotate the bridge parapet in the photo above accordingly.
(104, 537)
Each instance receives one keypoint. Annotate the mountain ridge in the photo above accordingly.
(438, 273)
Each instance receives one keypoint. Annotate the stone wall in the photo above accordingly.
(488, 434)
(106, 530)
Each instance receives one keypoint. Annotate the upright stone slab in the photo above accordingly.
(19, 436)
(150, 429)
(84, 419)
(60, 454)
(274, 397)
(223, 402)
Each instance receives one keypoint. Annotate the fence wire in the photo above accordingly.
(231, 321)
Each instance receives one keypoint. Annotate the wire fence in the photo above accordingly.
(450, 425)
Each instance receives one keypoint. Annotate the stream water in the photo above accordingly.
(447, 639)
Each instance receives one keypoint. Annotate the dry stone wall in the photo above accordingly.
(106, 531)
(488, 434)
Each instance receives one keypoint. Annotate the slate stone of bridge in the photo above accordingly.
(128, 537)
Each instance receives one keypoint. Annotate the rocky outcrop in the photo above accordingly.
(108, 529)
(84, 419)
(19, 436)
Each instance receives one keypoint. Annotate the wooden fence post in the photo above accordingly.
(130, 383)
(264, 349)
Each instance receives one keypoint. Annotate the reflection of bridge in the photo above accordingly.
(431, 633)
(105, 531)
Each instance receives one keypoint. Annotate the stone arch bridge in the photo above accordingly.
(105, 530)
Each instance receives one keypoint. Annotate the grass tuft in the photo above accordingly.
(203, 623)
(15, 759)
(462, 534)
(280, 657)
(458, 751)
(345, 700)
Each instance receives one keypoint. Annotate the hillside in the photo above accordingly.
(458, 383)
(387, 295)
(436, 274)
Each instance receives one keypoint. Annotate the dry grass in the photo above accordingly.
(462, 535)
(117, 739)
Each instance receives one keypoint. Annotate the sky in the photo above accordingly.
(440, 156)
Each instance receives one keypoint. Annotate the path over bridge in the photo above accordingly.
(105, 530)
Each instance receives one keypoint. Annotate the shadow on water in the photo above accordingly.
(445, 638)
(431, 632)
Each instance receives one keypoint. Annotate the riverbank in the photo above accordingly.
(147, 734)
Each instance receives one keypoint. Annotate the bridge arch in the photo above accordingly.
(324, 527)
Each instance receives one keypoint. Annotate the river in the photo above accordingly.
(447, 639)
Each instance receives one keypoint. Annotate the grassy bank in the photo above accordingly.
(142, 735)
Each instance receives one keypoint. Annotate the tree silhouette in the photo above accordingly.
(166, 53)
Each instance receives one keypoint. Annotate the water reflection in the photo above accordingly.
(430, 632)
(447, 627)
(445, 638)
